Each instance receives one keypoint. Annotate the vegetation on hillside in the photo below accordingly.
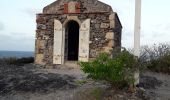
(156, 58)
(16, 61)
(119, 70)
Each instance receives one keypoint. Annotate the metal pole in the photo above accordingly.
(137, 34)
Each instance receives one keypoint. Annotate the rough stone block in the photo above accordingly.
(40, 44)
(40, 20)
(41, 26)
(45, 37)
(112, 24)
(112, 16)
(111, 43)
(93, 53)
(97, 25)
(107, 49)
(109, 35)
(92, 16)
(39, 59)
(104, 25)
(103, 18)
(93, 21)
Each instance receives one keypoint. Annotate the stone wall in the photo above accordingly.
(105, 27)
(105, 34)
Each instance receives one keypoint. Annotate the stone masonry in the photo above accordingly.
(105, 27)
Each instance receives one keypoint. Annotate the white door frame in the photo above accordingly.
(69, 18)
(84, 40)
(62, 29)
(58, 42)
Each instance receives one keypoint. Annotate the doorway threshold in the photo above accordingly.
(72, 64)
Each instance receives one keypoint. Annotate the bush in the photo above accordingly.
(156, 58)
(118, 70)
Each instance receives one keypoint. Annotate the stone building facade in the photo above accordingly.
(76, 30)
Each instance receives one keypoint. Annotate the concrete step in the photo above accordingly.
(69, 65)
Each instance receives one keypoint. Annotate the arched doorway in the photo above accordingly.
(72, 41)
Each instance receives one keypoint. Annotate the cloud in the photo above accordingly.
(160, 30)
(17, 41)
(22, 37)
(1, 26)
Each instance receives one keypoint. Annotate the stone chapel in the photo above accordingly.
(76, 30)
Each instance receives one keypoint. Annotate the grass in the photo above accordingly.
(96, 93)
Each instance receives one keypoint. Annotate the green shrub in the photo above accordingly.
(117, 70)
(161, 64)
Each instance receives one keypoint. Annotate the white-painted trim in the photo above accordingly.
(57, 47)
(69, 18)
(84, 39)
(63, 46)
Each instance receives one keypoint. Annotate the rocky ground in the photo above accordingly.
(30, 82)
(156, 85)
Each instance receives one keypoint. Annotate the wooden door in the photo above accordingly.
(58, 43)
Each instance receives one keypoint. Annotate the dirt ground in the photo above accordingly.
(156, 85)
(30, 82)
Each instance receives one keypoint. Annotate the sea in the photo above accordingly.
(17, 54)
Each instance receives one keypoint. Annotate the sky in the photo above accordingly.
(18, 22)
